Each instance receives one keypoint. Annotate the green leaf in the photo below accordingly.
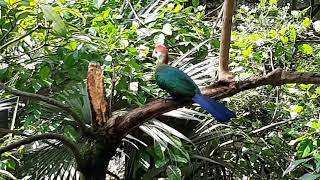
(284, 39)
(306, 151)
(216, 43)
(58, 24)
(173, 172)
(248, 51)
(306, 22)
(36, 86)
(294, 164)
(296, 109)
(254, 37)
(158, 151)
(314, 124)
(309, 176)
(293, 34)
(161, 162)
(273, 33)
(305, 86)
(273, 2)
(178, 158)
(72, 45)
(306, 49)
(195, 3)
(263, 3)
(71, 133)
(178, 8)
(44, 72)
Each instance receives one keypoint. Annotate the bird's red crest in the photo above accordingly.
(164, 51)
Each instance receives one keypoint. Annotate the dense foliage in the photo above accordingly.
(46, 47)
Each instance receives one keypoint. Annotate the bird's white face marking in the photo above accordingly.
(156, 54)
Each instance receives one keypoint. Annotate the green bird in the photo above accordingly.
(179, 85)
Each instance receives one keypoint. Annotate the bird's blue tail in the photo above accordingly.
(216, 109)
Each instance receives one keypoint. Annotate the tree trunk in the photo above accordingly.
(96, 160)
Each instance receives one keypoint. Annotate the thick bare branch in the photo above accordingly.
(224, 72)
(97, 94)
(39, 137)
(276, 78)
(51, 101)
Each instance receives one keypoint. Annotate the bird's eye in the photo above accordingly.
(155, 53)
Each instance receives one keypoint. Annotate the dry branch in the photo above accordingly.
(123, 124)
(97, 95)
(224, 72)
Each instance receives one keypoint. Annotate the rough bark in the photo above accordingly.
(97, 95)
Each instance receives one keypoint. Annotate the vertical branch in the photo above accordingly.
(14, 115)
(113, 83)
(97, 95)
(224, 72)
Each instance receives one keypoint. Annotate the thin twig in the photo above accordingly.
(32, 50)
(10, 30)
(214, 10)
(113, 175)
(14, 114)
(219, 17)
(113, 83)
(270, 126)
(277, 88)
(21, 37)
(135, 14)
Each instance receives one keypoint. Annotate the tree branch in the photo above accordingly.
(123, 124)
(224, 72)
(97, 95)
(21, 37)
(73, 148)
(8, 131)
(51, 101)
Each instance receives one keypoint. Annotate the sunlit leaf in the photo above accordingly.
(306, 49)
(314, 124)
(273, 2)
(306, 22)
(58, 24)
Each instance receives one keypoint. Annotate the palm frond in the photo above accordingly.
(53, 161)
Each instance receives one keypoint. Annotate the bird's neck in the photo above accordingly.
(163, 59)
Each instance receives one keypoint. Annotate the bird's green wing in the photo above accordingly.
(175, 81)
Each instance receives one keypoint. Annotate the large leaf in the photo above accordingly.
(58, 24)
